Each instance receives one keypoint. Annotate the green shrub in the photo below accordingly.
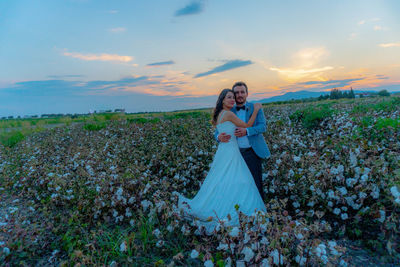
(311, 117)
(143, 120)
(94, 127)
(10, 139)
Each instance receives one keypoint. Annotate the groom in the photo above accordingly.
(251, 141)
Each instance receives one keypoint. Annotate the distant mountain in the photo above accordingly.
(303, 94)
(293, 95)
(306, 94)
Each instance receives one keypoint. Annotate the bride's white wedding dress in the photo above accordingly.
(229, 182)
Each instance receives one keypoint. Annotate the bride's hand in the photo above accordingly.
(257, 106)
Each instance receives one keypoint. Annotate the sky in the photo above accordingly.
(77, 56)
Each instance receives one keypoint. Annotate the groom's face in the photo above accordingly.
(240, 94)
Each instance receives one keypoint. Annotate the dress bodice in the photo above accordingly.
(227, 127)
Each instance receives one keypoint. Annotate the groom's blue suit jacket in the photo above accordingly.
(255, 133)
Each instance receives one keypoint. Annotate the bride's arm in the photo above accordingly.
(239, 123)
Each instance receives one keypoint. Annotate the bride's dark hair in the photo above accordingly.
(218, 107)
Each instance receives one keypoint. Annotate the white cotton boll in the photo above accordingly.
(246, 238)
(170, 228)
(353, 159)
(310, 204)
(342, 190)
(122, 247)
(132, 222)
(395, 192)
(208, 263)
(336, 211)
(264, 241)
(343, 263)
(375, 193)
(299, 236)
(265, 263)
(145, 204)
(222, 246)
(382, 217)
(248, 254)
(277, 258)
(330, 204)
(194, 254)
(234, 232)
(184, 229)
(344, 216)
(157, 233)
(120, 191)
(300, 260)
(362, 195)
(364, 178)
(6, 251)
(228, 262)
(128, 213)
(332, 244)
(296, 158)
(350, 182)
(160, 243)
(296, 204)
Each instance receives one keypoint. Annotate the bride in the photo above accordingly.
(229, 182)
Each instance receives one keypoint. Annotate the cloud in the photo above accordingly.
(113, 11)
(131, 93)
(378, 28)
(301, 71)
(305, 62)
(390, 45)
(162, 63)
(58, 87)
(231, 64)
(193, 8)
(99, 57)
(330, 83)
(118, 29)
(361, 22)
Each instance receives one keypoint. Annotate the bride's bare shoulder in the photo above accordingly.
(227, 116)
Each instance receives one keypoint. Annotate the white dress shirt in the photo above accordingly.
(243, 141)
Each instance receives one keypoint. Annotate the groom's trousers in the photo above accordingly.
(254, 163)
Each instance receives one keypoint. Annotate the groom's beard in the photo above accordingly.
(240, 102)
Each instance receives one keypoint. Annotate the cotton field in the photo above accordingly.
(109, 196)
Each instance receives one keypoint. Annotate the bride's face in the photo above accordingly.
(229, 100)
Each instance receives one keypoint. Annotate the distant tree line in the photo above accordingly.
(337, 94)
(334, 94)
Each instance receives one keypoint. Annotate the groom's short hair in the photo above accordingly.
(240, 84)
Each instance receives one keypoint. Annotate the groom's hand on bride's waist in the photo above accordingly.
(223, 137)
(239, 132)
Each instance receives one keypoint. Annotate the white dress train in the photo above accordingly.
(229, 182)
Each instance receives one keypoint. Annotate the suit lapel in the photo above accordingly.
(248, 111)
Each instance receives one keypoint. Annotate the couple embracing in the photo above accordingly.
(235, 177)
